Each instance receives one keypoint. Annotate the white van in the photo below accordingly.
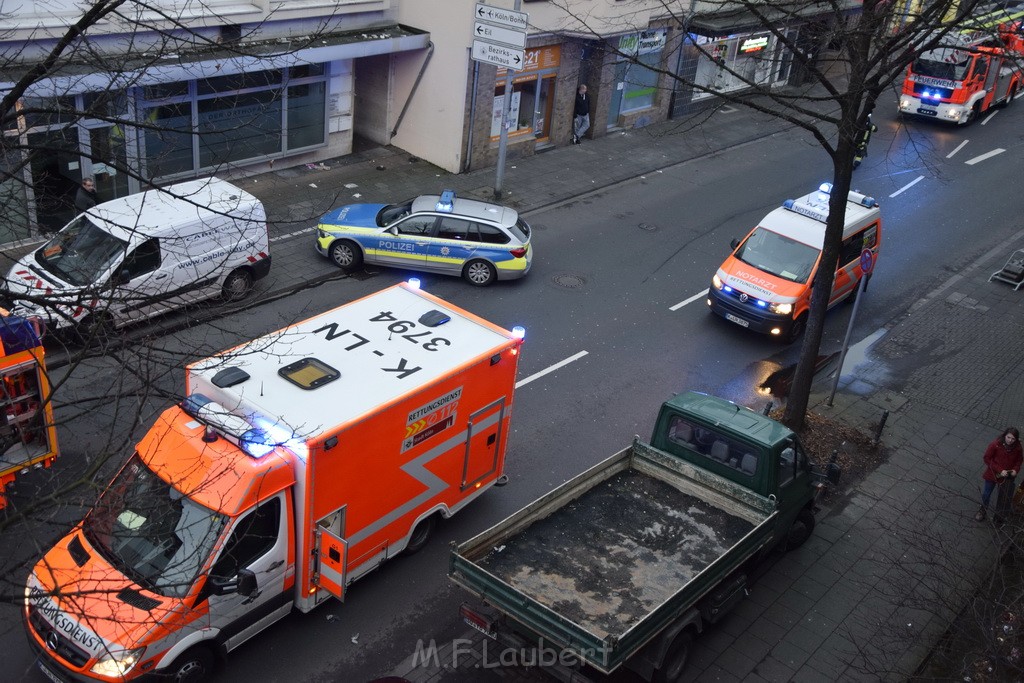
(138, 256)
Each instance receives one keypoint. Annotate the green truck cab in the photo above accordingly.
(626, 563)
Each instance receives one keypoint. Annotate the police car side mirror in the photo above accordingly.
(734, 243)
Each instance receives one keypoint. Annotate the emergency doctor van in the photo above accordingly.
(148, 253)
(296, 464)
(765, 284)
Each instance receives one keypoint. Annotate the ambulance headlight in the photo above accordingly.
(117, 663)
(781, 309)
(716, 281)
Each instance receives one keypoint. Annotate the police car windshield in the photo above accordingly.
(781, 256)
(151, 532)
(81, 252)
(392, 212)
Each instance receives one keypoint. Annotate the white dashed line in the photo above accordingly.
(693, 298)
(958, 148)
(986, 155)
(538, 375)
(907, 186)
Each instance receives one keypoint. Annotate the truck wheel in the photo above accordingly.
(420, 535)
(803, 527)
(479, 273)
(1011, 96)
(237, 285)
(797, 329)
(346, 254)
(672, 667)
(973, 114)
(195, 666)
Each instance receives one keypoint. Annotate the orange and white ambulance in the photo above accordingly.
(296, 464)
(765, 284)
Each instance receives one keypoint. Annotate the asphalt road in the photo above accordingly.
(610, 272)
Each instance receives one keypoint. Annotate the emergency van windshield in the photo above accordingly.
(81, 252)
(151, 532)
(781, 256)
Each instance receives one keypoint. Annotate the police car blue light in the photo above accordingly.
(447, 202)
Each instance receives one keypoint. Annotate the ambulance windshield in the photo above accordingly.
(781, 256)
(151, 532)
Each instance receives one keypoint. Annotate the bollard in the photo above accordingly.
(881, 426)
(767, 409)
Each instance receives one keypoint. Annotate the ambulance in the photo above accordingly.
(765, 284)
(296, 464)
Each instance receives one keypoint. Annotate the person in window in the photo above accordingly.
(86, 197)
(580, 115)
(1003, 459)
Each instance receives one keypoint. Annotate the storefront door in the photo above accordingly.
(56, 175)
(107, 150)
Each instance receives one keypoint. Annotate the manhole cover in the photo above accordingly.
(648, 227)
(569, 281)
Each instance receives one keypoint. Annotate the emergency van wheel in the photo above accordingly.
(346, 254)
(672, 667)
(237, 285)
(803, 527)
(797, 329)
(420, 535)
(195, 666)
(479, 273)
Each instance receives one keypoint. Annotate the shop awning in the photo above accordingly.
(736, 17)
(350, 44)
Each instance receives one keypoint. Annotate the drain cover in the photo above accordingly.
(649, 227)
(569, 281)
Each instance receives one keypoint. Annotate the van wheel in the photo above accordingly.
(195, 666)
(479, 273)
(803, 527)
(237, 285)
(420, 535)
(346, 254)
(674, 664)
(797, 329)
(96, 328)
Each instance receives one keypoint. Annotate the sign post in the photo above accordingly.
(499, 38)
(867, 264)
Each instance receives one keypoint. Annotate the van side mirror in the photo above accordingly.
(124, 276)
(247, 583)
(243, 583)
(734, 243)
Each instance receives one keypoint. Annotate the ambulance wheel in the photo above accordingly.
(674, 663)
(479, 273)
(797, 329)
(195, 666)
(347, 255)
(420, 535)
(237, 285)
(803, 527)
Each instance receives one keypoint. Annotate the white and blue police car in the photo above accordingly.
(478, 241)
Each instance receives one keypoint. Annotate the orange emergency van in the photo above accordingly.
(296, 464)
(765, 284)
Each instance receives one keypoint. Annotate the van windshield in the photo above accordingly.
(151, 532)
(781, 256)
(81, 252)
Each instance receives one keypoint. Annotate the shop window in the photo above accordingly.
(222, 84)
(640, 82)
(169, 142)
(239, 127)
(162, 91)
(305, 71)
(48, 111)
(520, 110)
(307, 114)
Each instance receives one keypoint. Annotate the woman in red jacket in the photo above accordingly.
(1003, 459)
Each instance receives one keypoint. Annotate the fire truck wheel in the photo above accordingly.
(346, 255)
(195, 666)
(803, 527)
(672, 667)
(237, 285)
(1011, 96)
(973, 114)
(420, 535)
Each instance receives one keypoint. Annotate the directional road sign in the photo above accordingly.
(502, 17)
(497, 34)
(499, 55)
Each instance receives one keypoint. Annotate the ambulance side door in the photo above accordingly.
(258, 543)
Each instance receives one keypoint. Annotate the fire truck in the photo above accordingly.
(965, 76)
(296, 464)
(28, 436)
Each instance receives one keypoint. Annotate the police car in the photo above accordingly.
(443, 234)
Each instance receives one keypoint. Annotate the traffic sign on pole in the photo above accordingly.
(499, 55)
(867, 261)
(497, 34)
(502, 17)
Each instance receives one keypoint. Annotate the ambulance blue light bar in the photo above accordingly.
(446, 203)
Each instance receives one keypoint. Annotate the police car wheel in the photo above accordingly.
(346, 255)
(479, 273)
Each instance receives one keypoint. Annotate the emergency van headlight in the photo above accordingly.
(117, 663)
(781, 309)
(716, 281)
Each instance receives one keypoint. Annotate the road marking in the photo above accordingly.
(989, 117)
(958, 148)
(907, 186)
(294, 233)
(688, 301)
(986, 155)
(538, 375)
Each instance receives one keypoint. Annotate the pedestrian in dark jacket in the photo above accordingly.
(86, 197)
(580, 115)
(1003, 459)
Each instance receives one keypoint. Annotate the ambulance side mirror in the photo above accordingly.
(247, 583)
(244, 583)
(734, 243)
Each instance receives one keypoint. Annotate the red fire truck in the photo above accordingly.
(965, 76)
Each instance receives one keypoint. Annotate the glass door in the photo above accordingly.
(56, 175)
(545, 100)
(108, 161)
